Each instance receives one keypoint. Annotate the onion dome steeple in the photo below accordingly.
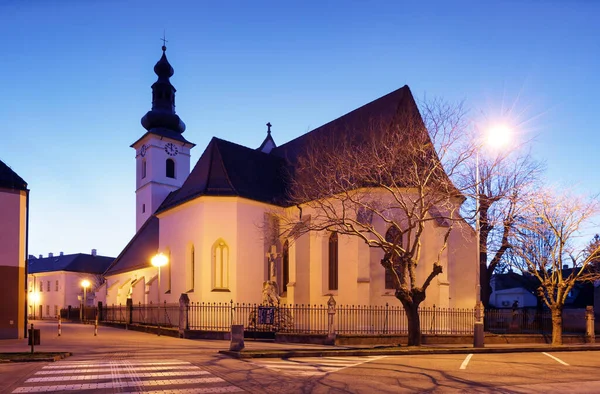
(162, 115)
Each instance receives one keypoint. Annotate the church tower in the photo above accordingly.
(162, 154)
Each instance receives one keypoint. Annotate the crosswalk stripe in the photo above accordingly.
(113, 376)
(109, 369)
(113, 385)
(111, 363)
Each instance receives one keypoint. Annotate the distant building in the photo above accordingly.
(14, 205)
(55, 282)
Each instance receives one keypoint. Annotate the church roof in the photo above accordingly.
(79, 262)
(228, 169)
(9, 179)
(139, 250)
(354, 124)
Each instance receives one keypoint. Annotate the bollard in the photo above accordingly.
(31, 338)
(96, 327)
(59, 328)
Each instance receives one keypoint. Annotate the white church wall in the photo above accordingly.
(462, 266)
(251, 269)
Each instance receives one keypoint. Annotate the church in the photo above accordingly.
(210, 223)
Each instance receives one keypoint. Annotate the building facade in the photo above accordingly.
(14, 205)
(56, 282)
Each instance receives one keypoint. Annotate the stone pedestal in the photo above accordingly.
(590, 332)
(237, 338)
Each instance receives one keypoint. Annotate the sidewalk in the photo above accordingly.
(79, 340)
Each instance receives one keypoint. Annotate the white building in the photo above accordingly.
(55, 282)
(210, 223)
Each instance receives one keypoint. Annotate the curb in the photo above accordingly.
(34, 360)
(395, 352)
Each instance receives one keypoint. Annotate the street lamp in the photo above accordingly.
(496, 137)
(159, 260)
(85, 284)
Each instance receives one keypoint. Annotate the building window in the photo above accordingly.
(220, 265)
(170, 168)
(394, 236)
(285, 261)
(56, 285)
(192, 269)
(41, 286)
(143, 208)
(333, 261)
(48, 286)
(169, 271)
(47, 310)
(143, 168)
(56, 310)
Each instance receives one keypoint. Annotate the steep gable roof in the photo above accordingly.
(80, 262)
(228, 169)
(9, 179)
(382, 111)
(139, 250)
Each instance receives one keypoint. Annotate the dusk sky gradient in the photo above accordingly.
(76, 74)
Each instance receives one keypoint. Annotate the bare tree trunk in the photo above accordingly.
(486, 287)
(557, 326)
(414, 323)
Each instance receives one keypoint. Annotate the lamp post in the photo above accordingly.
(497, 137)
(85, 284)
(159, 260)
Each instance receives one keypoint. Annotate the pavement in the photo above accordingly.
(78, 345)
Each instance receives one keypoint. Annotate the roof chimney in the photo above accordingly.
(50, 254)
(61, 253)
(41, 256)
(565, 267)
(93, 252)
(31, 257)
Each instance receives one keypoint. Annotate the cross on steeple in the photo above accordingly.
(164, 40)
(269, 128)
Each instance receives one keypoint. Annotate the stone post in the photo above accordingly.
(331, 326)
(478, 329)
(184, 308)
(237, 337)
(590, 332)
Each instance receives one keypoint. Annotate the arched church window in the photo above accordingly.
(143, 168)
(170, 168)
(220, 265)
(285, 261)
(392, 235)
(333, 261)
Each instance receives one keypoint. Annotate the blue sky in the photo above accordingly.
(76, 76)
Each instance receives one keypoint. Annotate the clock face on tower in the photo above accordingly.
(143, 150)
(171, 149)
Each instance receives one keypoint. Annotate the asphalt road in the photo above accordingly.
(118, 361)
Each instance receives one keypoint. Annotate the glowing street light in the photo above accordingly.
(35, 297)
(85, 284)
(159, 260)
(497, 137)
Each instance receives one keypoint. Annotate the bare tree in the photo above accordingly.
(546, 246)
(506, 181)
(389, 185)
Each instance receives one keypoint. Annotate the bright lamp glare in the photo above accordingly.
(498, 136)
(85, 283)
(159, 260)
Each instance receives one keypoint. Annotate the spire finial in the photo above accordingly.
(269, 127)
(164, 40)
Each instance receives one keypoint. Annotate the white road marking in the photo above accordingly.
(112, 385)
(466, 362)
(64, 365)
(555, 358)
(113, 376)
(108, 368)
(310, 366)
